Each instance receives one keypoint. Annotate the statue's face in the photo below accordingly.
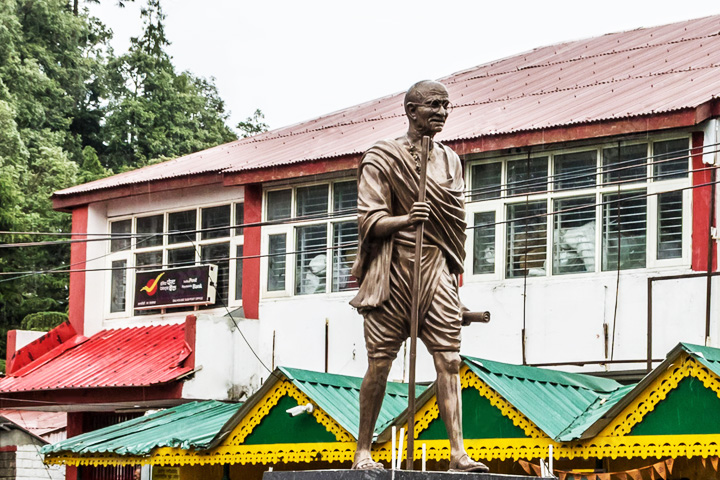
(428, 115)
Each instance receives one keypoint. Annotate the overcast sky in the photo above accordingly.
(296, 60)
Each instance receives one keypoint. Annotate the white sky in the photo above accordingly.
(296, 60)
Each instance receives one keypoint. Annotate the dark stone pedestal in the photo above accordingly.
(386, 475)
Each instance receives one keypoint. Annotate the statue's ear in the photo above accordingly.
(411, 110)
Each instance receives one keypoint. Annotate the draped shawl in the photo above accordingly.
(445, 228)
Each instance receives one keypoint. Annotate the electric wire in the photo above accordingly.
(588, 206)
(525, 183)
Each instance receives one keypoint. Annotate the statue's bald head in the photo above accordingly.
(416, 93)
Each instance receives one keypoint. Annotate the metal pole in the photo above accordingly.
(708, 292)
(415, 313)
(649, 323)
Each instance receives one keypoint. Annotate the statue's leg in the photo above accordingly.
(447, 365)
(372, 392)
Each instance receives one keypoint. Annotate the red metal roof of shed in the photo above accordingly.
(126, 357)
(623, 75)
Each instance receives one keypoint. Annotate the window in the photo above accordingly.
(323, 236)
(484, 243)
(117, 286)
(610, 206)
(177, 239)
(276, 263)
(670, 225)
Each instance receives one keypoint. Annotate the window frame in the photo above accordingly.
(234, 239)
(651, 185)
(289, 227)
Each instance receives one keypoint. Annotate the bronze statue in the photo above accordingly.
(388, 212)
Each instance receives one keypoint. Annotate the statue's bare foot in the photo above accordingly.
(367, 463)
(466, 464)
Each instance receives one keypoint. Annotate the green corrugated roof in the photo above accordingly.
(339, 396)
(191, 425)
(708, 356)
(561, 404)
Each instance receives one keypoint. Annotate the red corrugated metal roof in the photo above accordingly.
(126, 357)
(628, 74)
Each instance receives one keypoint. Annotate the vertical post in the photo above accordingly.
(415, 313)
(649, 323)
(327, 344)
(708, 289)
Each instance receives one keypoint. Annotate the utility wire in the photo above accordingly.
(324, 248)
(582, 173)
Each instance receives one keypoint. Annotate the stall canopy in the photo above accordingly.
(510, 412)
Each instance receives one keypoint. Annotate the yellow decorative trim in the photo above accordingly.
(469, 379)
(430, 412)
(487, 449)
(685, 366)
(271, 399)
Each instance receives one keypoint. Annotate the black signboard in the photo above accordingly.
(175, 287)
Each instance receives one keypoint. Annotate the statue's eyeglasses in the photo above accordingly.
(435, 105)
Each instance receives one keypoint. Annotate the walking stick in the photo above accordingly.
(415, 313)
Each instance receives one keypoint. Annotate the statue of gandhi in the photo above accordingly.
(388, 212)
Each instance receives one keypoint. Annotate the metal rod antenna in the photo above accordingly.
(415, 313)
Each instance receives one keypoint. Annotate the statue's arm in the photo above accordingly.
(374, 196)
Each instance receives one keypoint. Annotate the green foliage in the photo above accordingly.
(43, 321)
(253, 125)
(71, 112)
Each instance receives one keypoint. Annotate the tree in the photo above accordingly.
(68, 108)
(155, 111)
(253, 125)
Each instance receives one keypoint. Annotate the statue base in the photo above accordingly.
(386, 475)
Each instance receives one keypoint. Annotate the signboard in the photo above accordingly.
(175, 287)
(165, 473)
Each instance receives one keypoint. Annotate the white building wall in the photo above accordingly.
(29, 465)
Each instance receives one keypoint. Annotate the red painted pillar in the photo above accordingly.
(74, 427)
(78, 256)
(251, 248)
(701, 207)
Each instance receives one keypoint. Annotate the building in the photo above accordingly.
(590, 168)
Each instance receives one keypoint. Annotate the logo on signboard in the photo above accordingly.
(152, 284)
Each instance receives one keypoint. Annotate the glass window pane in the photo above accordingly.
(120, 229)
(670, 225)
(118, 282)
(670, 159)
(527, 176)
(345, 197)
(182, 222)
(148, 260)
(486, 180)
(238, 272)
(312, 201)
(575, 170)
(623, 236)
(345, 238)
(625, 164)
(239, 218)
(526, 239)
(149, 231)
(218, 254)
(181, 257)
(484, 243)
(213, 218)
(311, 259)
(278, 204)
(277, 247)
(574, 235)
